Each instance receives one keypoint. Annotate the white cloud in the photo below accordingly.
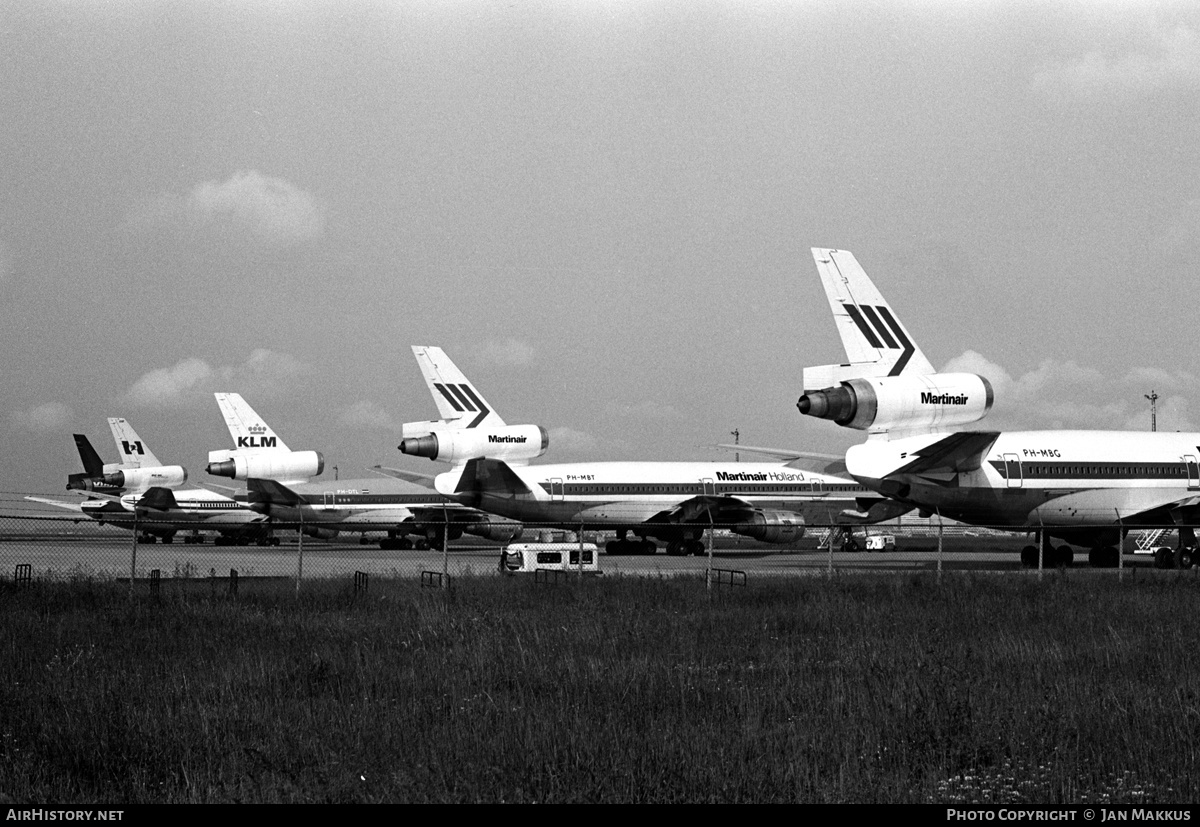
(271, 210)
(368, 416)
(508, 352)
(1068, 395)
(43, 419)
(568, 440)
(1168, 58)
(264, 373)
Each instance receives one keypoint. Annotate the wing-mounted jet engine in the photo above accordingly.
(258, 451)
(469, 428)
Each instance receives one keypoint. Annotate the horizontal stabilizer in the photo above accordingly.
(490, 476)
(402, 474)
(270, 492)
(953, 454)
(158, 498)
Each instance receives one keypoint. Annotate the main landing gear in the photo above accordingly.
(624, 545)
(682, 548)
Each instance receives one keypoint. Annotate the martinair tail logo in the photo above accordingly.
(462, 398)
(882, 331)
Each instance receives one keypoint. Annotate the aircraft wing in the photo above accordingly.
(408, 476)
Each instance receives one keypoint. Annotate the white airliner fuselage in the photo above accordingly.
(1091, 481)
(675, 501)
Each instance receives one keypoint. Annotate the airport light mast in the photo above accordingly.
(737, 435)
(1153, 397)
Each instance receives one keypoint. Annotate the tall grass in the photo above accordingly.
(856, 689)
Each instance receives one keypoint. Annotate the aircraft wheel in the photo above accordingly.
(614, 547)
(1029, 557)
(675, 548)
(1104, 557)
(1063, 557)
(1185, 557)
(697, 548)
(1164, 558)
(648, 547)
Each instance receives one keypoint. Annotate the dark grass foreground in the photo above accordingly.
(855, 689)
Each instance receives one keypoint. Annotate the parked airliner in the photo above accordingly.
(671, 501)
(1082, 487)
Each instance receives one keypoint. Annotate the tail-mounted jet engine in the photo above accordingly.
(163, 476)
(934, 401)
(292, 465)
(511, 442)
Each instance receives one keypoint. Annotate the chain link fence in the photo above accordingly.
(54, 544)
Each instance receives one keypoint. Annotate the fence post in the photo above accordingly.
(133, 555)
(300, 554)
(939, 560)
(445, 548)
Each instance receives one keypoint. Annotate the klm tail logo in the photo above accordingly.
(256, 442)
(882, 331)
(462, 398)
(131, 448)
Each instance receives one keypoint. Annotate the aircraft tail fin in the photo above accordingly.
(93, 466)
(876, 343)
(133, 450)
(459, 404)
(250, 433)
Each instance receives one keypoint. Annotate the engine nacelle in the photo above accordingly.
(771, 526)
(496, 529)
(292, 466)
(320, 532)
(163, 476)
(512, 442)
(934, 401)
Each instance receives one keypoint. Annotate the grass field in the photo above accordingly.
(868, 688)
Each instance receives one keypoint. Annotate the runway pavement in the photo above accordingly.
(64, 556)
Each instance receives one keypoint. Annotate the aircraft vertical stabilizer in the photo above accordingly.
(132, 449)
(250, 433)
(876, 343)
(459, 404)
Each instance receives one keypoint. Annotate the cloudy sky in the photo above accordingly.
(601, 210)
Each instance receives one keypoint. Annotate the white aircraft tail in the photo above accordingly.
(876, 343)
(132, 449)
(250, 434)
(459, 404)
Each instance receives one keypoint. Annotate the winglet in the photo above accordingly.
(876, 343)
